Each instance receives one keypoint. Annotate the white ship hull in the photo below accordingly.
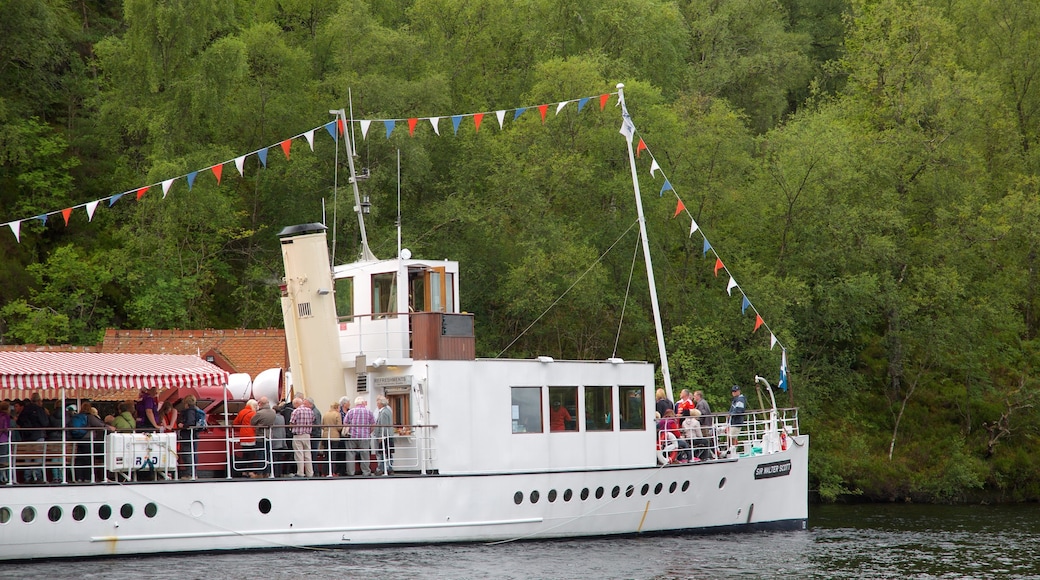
(229, 515)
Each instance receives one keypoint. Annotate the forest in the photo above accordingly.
(866, 169)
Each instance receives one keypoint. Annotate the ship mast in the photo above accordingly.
(629, 131)
(366, 252)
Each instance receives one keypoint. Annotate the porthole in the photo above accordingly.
(104, 512)
(150, 509)
(54, 514)
(79, 512)
(5, 515)
(126, 511)
(567, 495)
(672, 488)
(722, 483)
(646, 489)
(599, 493)
(615, 492)
(629, 491)
(265, 505)
(552, 495)
(685, 485)
(28, 514)
(535, 496)
(584, 494)
(518, 498)
(658, 488)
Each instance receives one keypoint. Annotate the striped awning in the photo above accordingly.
(90, 374)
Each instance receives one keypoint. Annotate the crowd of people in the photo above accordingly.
(286, 439)
(687, 429)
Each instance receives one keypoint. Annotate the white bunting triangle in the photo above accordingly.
(729, 287)
(436, 121)
(91, 206)
(693, 226)
(772, 340)
(309, 135)
(165, 188)
(654, 167)
(501, 117)
(364, 128)
(240, 163)
(16, 227)
(561, 106)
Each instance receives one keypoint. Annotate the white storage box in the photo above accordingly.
(125, 452)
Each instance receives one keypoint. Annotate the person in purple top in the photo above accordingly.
(300, 423)
(358, 424)
(148, 411)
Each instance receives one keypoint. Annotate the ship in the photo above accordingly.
(479, 449)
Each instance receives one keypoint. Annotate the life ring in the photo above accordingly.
(667, 447)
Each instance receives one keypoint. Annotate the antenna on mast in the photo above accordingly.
(362, 206)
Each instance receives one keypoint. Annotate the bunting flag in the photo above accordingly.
(141, 191)
(654, 167)
(501, 116)
(477, 118)
(166, 187)
(519, 111)
(758, 322)
(561, 106)
(718, 266)
(729, 287)
(218, 169)
(262, 154)
(16, 227)
(783, 371)
(693, 226)
(309, 135)
(603, 99)
(542, 109)
(66, 213)
(389, 124)
(455, 122)
(666, 187)
(772, 340)
(744, 304)
(581, 103)
(411, 126)
(112, 200)
(679, 207)
(286, 146)
(707, 247)
(364, 128)
(240, 163)
(639, 148)
(91, 206)
(331, 127)
(436, 122)
(191, 181)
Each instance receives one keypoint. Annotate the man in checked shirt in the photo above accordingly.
(357, 429)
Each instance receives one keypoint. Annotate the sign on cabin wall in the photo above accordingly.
(394, 381)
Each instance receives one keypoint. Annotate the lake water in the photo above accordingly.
(870, 541)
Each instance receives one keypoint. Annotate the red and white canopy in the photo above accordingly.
(93, 374)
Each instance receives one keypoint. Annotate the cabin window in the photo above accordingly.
(384, 295)
(345, 299)
(527, 409)
(563, 409)
(632, 409)
(402, 412)
(599, 409)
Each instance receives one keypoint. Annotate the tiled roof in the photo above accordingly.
(237, 350)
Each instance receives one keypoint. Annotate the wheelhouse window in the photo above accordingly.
(563, 409)
(345, 299)
(527, 409)
(599, 409)
(632, 409)
(384, 295)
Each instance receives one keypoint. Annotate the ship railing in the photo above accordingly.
(717, 437)
(103, 456)
(382, 335)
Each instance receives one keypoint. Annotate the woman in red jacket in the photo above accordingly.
(246, 434)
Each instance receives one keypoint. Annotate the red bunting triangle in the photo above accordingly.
(411, 126)
(477, 118)
(718, 266)
(678, 208)
(758, 322)
(285, 147)
(65, 213)
(141, 192)
(640, 147)
(542, 109)
(603, 100)
(342, 128)
(217, 170)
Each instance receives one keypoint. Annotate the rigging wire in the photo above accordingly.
(628, 292)
(575, 283)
